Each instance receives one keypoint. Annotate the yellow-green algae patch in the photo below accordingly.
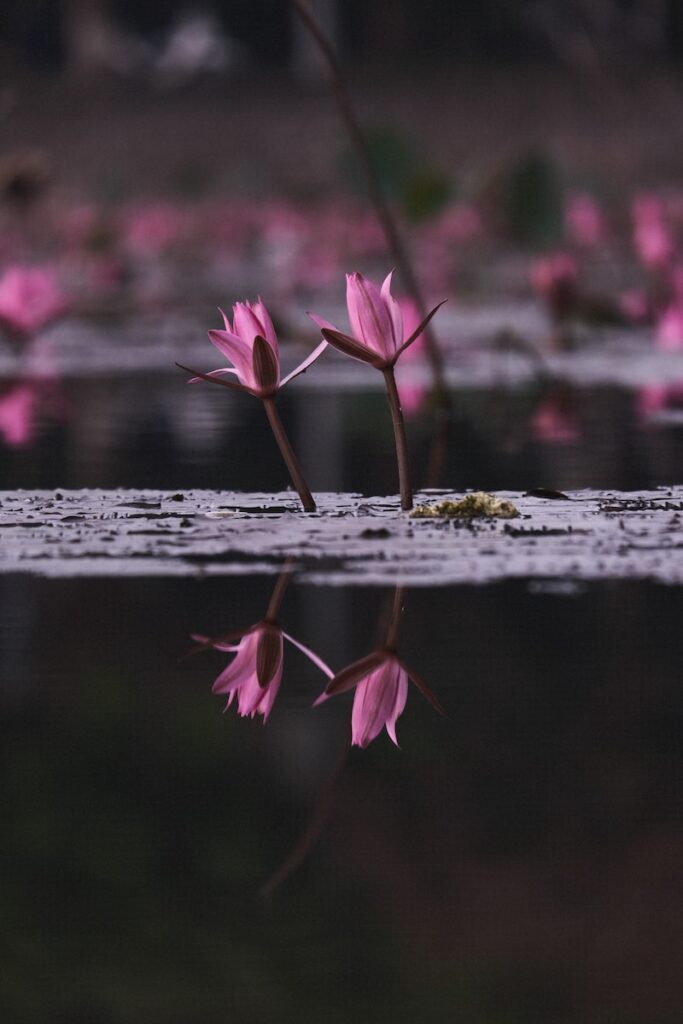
(474, 505)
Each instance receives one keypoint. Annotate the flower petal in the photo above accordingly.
(352, 674)
(246, 322)
(196, 375)
(400, 698)
(237, 351)
(268, 331)
(368, 315)
(321, 322)
(266, 366)
(418, 330)
(351, 347)
(268, 655)
(375, 703)
(394, 311)
(425, 690)
(213, 373)
(318, 662)
(302, 367)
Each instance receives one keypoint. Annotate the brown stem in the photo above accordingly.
(281, 584)
(288, 455)
(399, 439)
(382, 209)
(395, 620)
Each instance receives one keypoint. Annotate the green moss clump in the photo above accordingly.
(478, 504)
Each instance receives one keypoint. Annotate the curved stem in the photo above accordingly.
(376, 194)
(288, 455)
(399, 439)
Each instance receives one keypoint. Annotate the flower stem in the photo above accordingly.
(395, 621)
(392, 234)
(288, 455)
(399, 439)
(281, 584)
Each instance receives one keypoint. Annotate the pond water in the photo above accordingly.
(516, 861)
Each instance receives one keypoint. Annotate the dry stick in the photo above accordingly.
(399, 438)
(288, 455)
(391, 232)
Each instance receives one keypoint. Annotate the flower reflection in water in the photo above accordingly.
(255, 673)
(381, 683)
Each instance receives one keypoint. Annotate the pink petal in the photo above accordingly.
(302, 367)
(239, 354)
(241, 669)
(228, 325)
(268, 331)
(246, 322)
(254, 699)
(377, 702)
(322, 323)
(394, 311)
(318, 662)
(400, 699)
(369, 317)
(213, 373)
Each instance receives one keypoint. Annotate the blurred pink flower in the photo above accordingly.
(652, 236)
(555, 420)
(30, 297)
(413, 395)
(584, 220)
(554, 278)
(376, 321)
(654, 399)
(635, 305)
(80, 226)
(16, 415)
(153, 228)
(669, 330)
(251, 345)
(461, 223)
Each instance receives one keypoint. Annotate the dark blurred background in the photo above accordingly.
(579, 33)
(474, 84)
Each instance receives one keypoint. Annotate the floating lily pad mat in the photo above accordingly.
(351, 539)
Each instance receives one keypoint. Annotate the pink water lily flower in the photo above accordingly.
(376, 323)
(669, 332)
(554, 278)
(379, 700)
(30, 297)
(17, 407)
(251, 345)
(254, 675)
(381, 682)
(413, 395)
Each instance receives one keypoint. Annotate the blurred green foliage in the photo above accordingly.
(420, 190)
(535, 201)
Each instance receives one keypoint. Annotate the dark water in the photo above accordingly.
(517, 861)
(154, 431)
